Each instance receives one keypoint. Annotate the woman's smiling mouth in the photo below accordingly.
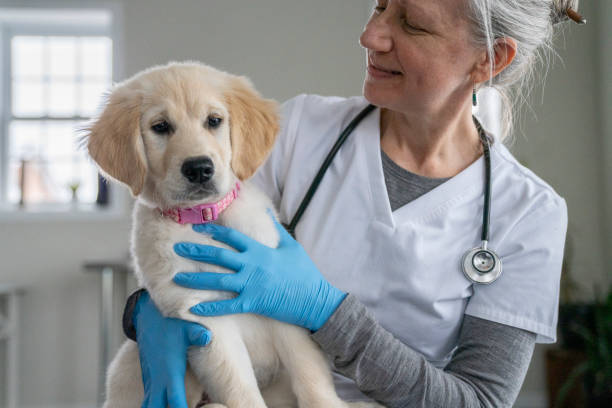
(379, 71)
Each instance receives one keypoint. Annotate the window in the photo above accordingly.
(56, 73)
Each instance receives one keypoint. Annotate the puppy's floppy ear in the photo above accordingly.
(114, 141)
(254, 124)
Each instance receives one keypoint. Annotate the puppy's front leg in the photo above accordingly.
(224, 366)
(311, 377)
(124, 388)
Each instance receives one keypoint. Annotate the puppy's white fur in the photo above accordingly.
(252, 361)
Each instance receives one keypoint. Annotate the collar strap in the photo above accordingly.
(203, 213)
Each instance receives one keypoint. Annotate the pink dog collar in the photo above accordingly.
(203, 213)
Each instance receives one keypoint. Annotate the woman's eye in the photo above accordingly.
(379, 9)
(161, 128)
(213, 122)
(410, 27)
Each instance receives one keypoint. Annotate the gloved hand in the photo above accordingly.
(162, 346)
(280, 283)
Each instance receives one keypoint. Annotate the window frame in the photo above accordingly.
(118, 199)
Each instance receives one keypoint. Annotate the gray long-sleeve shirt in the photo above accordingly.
(486, 370)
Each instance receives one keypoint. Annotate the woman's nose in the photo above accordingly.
(376, 35)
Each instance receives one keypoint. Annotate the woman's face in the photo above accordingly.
(419, 56)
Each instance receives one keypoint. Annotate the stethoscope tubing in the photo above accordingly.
(326, 163)
(486, 212)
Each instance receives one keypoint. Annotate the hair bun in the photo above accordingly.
(563, 10)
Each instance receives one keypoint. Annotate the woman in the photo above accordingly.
(401, 203)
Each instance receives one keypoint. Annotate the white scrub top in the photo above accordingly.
(405, 265)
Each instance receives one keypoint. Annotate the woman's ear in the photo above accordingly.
(114, 140)
(254, 124)
(504, 51)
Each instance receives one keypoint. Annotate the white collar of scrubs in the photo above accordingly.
(435, 201)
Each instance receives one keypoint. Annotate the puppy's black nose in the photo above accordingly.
(198, 169)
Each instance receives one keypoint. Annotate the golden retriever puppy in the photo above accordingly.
(221, 130)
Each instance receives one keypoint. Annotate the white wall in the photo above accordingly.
(285, 47)
(562, 140)
(604, 47)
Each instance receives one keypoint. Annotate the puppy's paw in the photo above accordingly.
(214, 406)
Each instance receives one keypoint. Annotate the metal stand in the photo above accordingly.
(108, 274)
(9, 333)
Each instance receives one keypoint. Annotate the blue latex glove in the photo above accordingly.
(281, 283)
(162, 346)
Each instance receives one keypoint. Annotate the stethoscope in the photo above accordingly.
(481, 264)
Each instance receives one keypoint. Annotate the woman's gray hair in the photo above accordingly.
(530, 24)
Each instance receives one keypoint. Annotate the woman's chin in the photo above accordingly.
(394, 99)
(383, 98)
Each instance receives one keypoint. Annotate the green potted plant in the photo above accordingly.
(74, 187)
(596, 369)
(572, 367)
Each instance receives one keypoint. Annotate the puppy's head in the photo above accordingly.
(181, 134)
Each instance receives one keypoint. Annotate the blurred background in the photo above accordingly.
(64, 237)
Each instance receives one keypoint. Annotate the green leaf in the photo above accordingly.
(576, 373)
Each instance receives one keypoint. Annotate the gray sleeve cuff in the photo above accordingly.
(128, 314)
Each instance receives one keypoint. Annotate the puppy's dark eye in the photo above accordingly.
(161, 128)
(213, 122)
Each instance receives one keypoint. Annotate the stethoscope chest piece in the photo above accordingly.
(481, 265)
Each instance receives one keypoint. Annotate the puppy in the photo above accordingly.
(178, 136)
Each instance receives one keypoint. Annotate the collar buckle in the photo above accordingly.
(209, 213)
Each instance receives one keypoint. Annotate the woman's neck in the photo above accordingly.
(436, 149)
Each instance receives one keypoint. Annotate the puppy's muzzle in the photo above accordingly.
(198, 170)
